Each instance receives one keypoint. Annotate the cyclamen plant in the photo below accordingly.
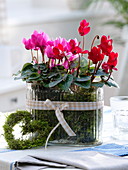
(65, 63)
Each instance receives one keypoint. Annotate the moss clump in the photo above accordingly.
(29, 126)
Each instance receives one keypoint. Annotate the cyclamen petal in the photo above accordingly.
(56, 51)
(66, 64)
(95, 55)
(112, 61)
(52, 63)
(106, 45)
(49, 52)
(105, 67)
(83, 28)
(28, 44)
(84, 23)
(40, 39)
(73, 57)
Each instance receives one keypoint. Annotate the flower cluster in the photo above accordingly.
(64, 63)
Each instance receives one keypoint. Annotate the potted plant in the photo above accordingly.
(64, 85)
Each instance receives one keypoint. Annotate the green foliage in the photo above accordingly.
(85, 84)
(65, 85)
(110, 82)
(29, 126)
(59, 77)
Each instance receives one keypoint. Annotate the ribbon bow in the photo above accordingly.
(60, 118)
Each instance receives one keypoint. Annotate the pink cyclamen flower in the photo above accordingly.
(40, 39)
(61, 43)
(83, 28)
(49, 52)
(66, 64)
(72, 57)
(57, 49)
(52, 64)
(28, 44)
(54, 53)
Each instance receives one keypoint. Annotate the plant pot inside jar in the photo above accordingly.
(86, 123)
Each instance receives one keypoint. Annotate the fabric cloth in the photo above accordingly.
(88, 160)
(114, 149)
(40, 105)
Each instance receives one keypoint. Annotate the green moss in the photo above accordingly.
(87, 124)
(29, 126)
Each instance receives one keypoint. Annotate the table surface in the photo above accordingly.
(8, 157)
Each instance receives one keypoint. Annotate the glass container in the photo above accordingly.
(86, 124)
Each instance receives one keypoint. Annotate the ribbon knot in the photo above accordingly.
(60, 118)
(58, 106)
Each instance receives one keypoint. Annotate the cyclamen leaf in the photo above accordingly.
(53, 74)
(27, 66)
(98, 84)
(83, 78)
(24, 75)
(86, 84)
(34, 76)
(112, 83)
(16, 74)
(27, 72)
(101, 73)
(83, 62)
(64, 85)
(54, 83)
(40, 66)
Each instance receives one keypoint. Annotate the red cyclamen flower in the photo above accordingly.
(58, 53)
(105, 67)
(83, 28)
(74, 48)
(112, 61)
(106, 45)
(95, 55)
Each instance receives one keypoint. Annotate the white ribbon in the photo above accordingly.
(60, 118)
(58, 106)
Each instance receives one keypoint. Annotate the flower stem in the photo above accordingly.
(42, 52)
(96, 37)
(83, 43)
(58, 61)
(32, 54)
(109, 76)
(37, 57)
(78, 68)
(92, 78)
(99, 65)
(49, 62)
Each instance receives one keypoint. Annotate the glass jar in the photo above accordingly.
(86, 124)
